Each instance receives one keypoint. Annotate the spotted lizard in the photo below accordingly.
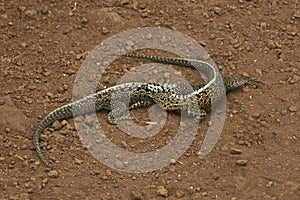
(144, 94)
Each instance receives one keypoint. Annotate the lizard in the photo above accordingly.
(145, 95)
(102, 99)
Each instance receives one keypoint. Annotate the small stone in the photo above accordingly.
(47, 73)
(84, 21)
(53, 174)
(217, 10)
(235, 151)
(78, 161)
(145, 14)
(1, 102)
(179, 194)
(284, 112)
(45, 181)
(56, 125)
(270, 184)
(246, 89)
(45, 10)
(293, 108)
(79, 56)
(162, 191)
(22, 8)
(263, 24)
(50, 95)
(23, 44)
(259, 71)
(271, 44)
(30, 13)
(294, 79)
(245, 74)
(105, 30)
(70, 72)
(23, 147)
(124, 2)
(204, 194)
(242, 162)
(297, 14)
(173, 161)
(241, 142)
(136, 195)
(234, 41)
(64, 122)
(108, 172)
(235, 111)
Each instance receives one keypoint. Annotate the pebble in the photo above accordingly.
(56, 125)
(30, 13)
(23, 44)
(64, 122)
(204, 194)
(84, 21)
(217, 10)
(234, 41)
(53, 174)
(271, 44)
(70, 71)
(108, 172)
(78, 161)
(293, 108)
(284, 112)
(105, 30)
(162, 191)
(263, 24)
(246, 89)
(242, 162)
(23, 147)
(297, 14)
(79, 56)
(45, 10)
(136, 195)
(173, 161)
(235, 151)
(1, 102)
(47, 73)
(179, 194)
(22, 8)
(259, 71)
(294, 79)
(50, 95)
(245, 74)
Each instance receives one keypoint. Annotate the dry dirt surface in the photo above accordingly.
(43, 44)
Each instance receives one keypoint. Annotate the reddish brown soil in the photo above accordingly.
(43, 44)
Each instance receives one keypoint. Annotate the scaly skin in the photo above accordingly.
(168, 96)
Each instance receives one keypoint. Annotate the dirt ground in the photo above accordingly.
(43, 44)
